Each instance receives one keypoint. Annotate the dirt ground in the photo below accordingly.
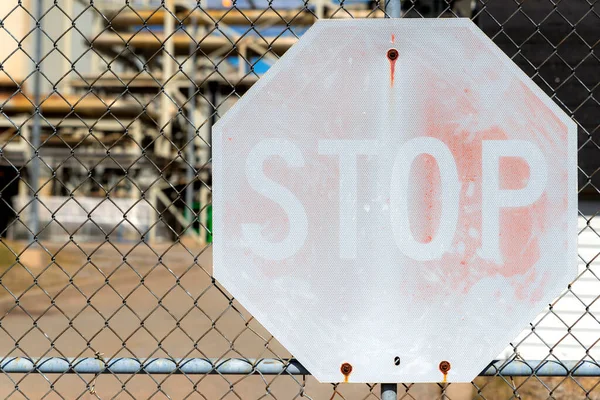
(136, 300)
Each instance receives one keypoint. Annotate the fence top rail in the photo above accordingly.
(262, 366)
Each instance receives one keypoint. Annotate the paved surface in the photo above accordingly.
(138, 324)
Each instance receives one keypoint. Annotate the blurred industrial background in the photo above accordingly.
(105, 176)
(129, 91)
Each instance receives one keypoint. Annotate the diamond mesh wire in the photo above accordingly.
(105, 182)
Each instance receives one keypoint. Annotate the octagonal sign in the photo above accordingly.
(393, 194)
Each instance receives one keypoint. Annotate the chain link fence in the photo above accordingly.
(105, 187)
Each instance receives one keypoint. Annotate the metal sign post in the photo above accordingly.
(393, 8)
(389, 391)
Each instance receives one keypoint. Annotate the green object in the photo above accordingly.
(196, 206)
(209, 223)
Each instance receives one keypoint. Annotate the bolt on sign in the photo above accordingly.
(395, 200)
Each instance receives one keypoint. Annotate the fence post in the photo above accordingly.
(34, 169)
(190, 171)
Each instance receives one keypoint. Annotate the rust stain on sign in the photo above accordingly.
(346, 370)
(392, 55)
(444, 369)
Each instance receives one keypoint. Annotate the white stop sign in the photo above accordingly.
(395, 200)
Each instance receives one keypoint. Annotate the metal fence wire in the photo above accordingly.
(105, 187)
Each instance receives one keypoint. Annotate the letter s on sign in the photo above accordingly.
(298, 222)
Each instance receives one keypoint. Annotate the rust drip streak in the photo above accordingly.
(392, 56)
(445, 367)
(346, 370)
